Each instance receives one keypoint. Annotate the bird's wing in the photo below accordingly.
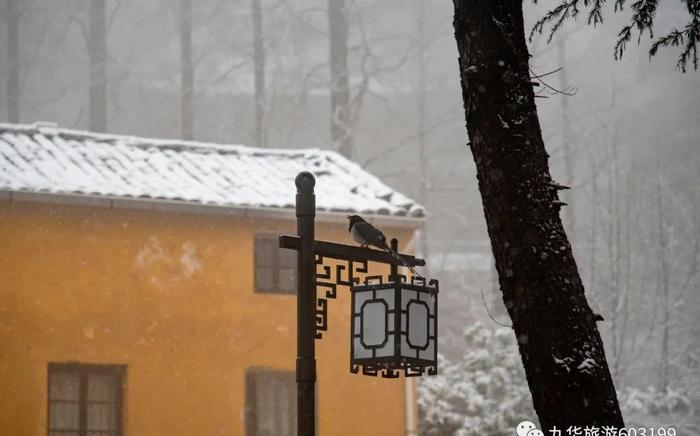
(366, 233)
(356, 236)
(370, 234)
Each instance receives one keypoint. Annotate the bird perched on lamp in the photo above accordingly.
(367, 235)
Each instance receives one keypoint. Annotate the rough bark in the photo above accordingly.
(97, 52)
(559, 343)
(186, 71)
(341, 132)
(12, 84)
(259, 63)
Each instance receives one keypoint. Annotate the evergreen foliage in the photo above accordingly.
(484, 393)
(642, 19)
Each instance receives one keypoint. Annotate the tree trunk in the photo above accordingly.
(186, 71)
(559, 343)
(341, 132)
(13, 92)
(259, 63)
(98, 66)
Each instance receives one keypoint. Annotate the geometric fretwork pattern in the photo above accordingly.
(407, 311)
(328, 279)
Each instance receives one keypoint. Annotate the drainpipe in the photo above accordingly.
(411, 429)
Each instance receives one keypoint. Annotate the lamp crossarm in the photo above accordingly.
(353, 253)
(354, 261)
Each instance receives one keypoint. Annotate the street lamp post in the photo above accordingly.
(393, 321)
(306, 299)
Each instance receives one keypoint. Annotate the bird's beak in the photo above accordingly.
(348, 216)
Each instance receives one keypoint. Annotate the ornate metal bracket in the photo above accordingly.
(326, 279)
(353, 261)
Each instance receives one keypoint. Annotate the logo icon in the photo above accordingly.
(527, 428)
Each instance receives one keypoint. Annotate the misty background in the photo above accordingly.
(626, 141)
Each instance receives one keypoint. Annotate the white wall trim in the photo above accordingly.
(189, 207)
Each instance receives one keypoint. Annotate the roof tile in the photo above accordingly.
(62, 161)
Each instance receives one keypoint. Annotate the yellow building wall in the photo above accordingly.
(170, 295)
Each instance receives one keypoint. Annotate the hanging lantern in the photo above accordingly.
(394, 327)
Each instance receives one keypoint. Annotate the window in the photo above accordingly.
(275, 268)
(271, 406)
(85, 400)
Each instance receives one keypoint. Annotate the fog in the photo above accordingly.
(623, 134)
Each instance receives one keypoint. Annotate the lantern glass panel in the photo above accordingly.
(406, 350)
(387, 295)
(417, 324)
(359, 350)
(360, 299)
(388, 349)
(429, 302)
(374, 323)
(407, 296)
(394, 327)
(429, 352)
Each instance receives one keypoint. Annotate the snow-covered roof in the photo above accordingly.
(51, 160)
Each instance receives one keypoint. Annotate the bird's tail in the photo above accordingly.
(401, 260)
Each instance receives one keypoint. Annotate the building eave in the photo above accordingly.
(112, 202)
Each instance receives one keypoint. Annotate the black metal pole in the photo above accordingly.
(306, 306)
(394, 274)
(394, 266)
